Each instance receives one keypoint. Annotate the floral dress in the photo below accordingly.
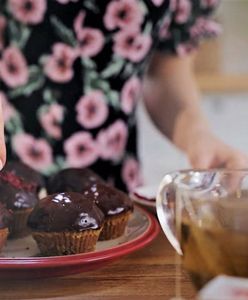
(71, 71)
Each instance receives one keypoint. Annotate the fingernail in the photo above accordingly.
(1, 165)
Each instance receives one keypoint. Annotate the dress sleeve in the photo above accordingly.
(188, 22)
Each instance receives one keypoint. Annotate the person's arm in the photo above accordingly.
(172, 100)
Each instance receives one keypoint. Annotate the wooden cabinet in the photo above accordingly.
(222, 63)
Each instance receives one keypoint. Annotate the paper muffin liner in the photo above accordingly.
(114, 227)
(3, 237)
(66, 242)
(18, 227)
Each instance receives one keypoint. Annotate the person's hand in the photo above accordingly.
(2, 140)
(207, 151)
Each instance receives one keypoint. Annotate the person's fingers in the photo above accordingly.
(209, 152)
(237, 160)
(2, 140)
(233, 181)
(203, 154)
(201, 160)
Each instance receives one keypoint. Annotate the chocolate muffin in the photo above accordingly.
(66, 223)
(20, 197)
(5, 221)
(116, 206)
(28, 174)
(72, 180)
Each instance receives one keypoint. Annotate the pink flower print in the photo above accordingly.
(184, 49)
(51, 119)
(123, 14)
(58, 66)
(90, 42)
(131, 174)
(112, 141)
(129, 94)
(28, 11)
(92, 110)
(183, 11)
(203, 27)
(209, 3)
(81, 150)
(13, 67)
(2, 29)
(164, 29)
(157, 2)
(173, 5)
(132, 45)
(66, 1)
(78, 22)
(36, 153)
(8, 110)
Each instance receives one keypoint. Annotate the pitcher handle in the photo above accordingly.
(166, 208)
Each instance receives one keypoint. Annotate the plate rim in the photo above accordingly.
(142, 201)
(140, 241)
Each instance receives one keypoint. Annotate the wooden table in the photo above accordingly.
(146, 274)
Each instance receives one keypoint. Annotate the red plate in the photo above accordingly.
(17, 262)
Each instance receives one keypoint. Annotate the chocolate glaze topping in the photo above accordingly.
(16, 193)
(72, 180)
(28, 174)
(67, 211)
(5, 216)
(110, 200)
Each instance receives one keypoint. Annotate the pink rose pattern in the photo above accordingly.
(132, 45)
(164, 31)
(66, 1)
(209, 3)
(13, 67)
(112, 141)
(123, 14)
(157, 2)
(50, 120)
(183, 11)
(202, 25)
(90, 41)
(28, 11)
(191, 22)
(8, 110)
(70, 75)
(184, 49)
(131, 173)
(81, 150)
(130, 94)
(36, 153)
(58, 66)
(92, 110)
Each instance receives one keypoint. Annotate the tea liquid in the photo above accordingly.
(212, 250)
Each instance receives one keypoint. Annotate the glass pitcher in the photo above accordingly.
(204, 215)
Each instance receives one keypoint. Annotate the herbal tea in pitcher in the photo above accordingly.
(213, 249)
(208, 225)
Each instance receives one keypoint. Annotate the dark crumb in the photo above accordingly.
(27, 248)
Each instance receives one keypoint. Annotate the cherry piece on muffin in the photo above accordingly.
(20, 197)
